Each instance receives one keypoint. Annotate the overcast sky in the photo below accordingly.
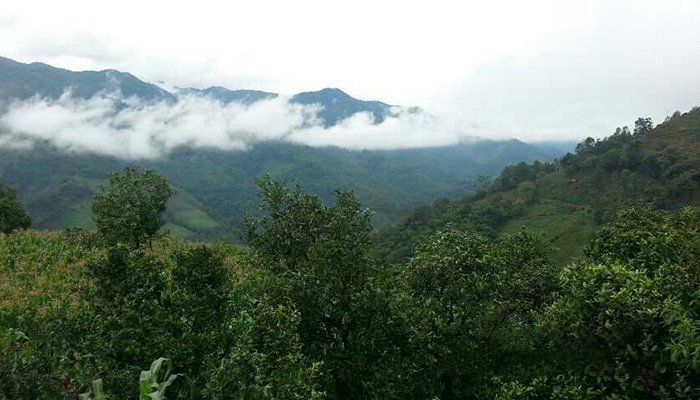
(528, 69)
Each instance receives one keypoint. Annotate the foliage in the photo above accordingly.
(646, 239)
(472, 299)
(321, 254)
(266, 360)
(12, 214)
(306, 312)
(129, 208)
(625, 325)
(182, 307)
(569, 199)
(97, 392)
(152, 383)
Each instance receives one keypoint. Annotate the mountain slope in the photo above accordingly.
(20, 81)
(569, 199)
(226, 96)
(338, 105)
(217, 187)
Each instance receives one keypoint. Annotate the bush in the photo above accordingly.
(12, 214)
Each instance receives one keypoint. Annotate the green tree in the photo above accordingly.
(12, 214)
(196, 299)
(321, 254)
(472, 300)
(129, 208)
(646, 239)
(642, 126)
(627, 325)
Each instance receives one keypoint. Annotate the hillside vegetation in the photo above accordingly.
(570, 198)
(572, 279)
(305, 312)
(56, 182)
(217, 187)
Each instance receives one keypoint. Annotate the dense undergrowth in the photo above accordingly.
(305, 312)
(568, 199)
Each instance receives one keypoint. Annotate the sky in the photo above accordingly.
(534, 70)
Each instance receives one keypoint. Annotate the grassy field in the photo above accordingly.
(41, 269)
(46, 270)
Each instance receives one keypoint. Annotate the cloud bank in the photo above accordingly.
(133, 129)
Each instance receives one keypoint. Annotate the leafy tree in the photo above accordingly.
(131, 322)
(12, 214)
(321, 254)
(625, 326)
(586, 145)
(129, 208)
(471, 300)
(646, 239)
(643, 126)
(263, 357)
(196, 300)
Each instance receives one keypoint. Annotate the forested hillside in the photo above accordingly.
(575, 278)
(216, 181)
(366, 200)
(305, 312)
(218, 187)
(568, 199)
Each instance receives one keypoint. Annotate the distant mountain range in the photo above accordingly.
(19, 81)
(216, 187)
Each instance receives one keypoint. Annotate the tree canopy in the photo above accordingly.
(12, 214)
(129, 207)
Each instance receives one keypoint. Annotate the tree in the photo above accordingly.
(12, 214)
(129, 208)
(625, 325)
(321, 255)
(472, 300)
(644, 238)
(643, 126)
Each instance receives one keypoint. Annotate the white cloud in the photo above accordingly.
(403, 130)
(147, 130)
(137, 129)
(540, 69)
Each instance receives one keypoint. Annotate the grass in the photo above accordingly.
(195, 219)
(177, 230)
(187, 213)
(566, 233)
(44, 270)
(41, 270)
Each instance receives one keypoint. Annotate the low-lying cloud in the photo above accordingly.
(133, 129)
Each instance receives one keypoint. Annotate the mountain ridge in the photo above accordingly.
(217, 186)
(568, 199)
(21, 81)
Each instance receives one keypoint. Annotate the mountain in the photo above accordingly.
(226, 96)
(20, 81)
(338, 105)
(216, 187)
(568, 199)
